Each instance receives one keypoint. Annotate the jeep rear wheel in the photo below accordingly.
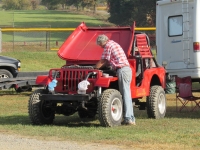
(40, 112)
(110, 108)
(156, 103)
(5, 74)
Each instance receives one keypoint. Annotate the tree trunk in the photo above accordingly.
(94, 9)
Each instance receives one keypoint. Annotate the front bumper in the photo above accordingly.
(65, 97)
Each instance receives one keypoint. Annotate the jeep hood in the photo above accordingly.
(81, 47)
(5, 59)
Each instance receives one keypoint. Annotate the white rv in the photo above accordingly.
(178, 37)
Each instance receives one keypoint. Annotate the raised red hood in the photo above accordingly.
(81, 45)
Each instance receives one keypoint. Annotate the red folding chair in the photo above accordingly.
(184, 94)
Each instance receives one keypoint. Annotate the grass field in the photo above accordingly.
(48, 18)
(44, 19)
(37, 61)
(175, 131)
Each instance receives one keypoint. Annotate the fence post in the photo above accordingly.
(0, 41)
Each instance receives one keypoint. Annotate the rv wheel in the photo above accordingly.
(110, 108)
(40, 112)
(156, 103)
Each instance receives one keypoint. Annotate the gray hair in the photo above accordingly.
(102, 39)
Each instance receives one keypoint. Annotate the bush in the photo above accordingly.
(41, 7)
(16, 4)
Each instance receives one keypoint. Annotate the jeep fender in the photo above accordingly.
(151, 77)
(105, 82)
(156, 76)
(43, 80)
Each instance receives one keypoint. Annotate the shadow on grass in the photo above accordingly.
(171, 113)
(14, 120)
(13, 92)
(75, 121)
(70, 121)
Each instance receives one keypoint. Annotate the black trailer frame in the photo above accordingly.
(23, 79)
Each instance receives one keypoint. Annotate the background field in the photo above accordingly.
(37, 61)
(48, 18)
(175, 131)
(43, 40)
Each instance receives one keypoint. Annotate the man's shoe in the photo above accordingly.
(129, 122)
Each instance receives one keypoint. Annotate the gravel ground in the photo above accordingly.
(15, 142)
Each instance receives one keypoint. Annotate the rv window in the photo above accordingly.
(175, 25)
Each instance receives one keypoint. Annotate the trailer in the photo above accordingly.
(178, 37)
(23, 82)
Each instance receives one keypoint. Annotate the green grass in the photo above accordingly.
(37, 61)
(176, 130)
(47, 18)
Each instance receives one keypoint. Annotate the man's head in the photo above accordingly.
(102, 40)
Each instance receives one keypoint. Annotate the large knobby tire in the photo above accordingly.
(5, 74)
(39, 113)
(156, 103)
(110, 108)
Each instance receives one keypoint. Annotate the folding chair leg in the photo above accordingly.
(183, 103)
(196, 106)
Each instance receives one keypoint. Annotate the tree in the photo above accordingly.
(124, 12)
(76, 3)
(34, 4)
(83, 4)
(92, 3)
(52, 4)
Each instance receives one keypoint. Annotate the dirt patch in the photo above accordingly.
(16, 142)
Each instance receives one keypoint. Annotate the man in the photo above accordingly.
(114, 56)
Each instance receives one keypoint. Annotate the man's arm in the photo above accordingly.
(101, 63)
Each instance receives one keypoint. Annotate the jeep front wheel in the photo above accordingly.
(40, 112)
(156, 103)
(110, 108)
(5, 74)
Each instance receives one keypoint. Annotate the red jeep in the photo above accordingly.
(102, 96)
